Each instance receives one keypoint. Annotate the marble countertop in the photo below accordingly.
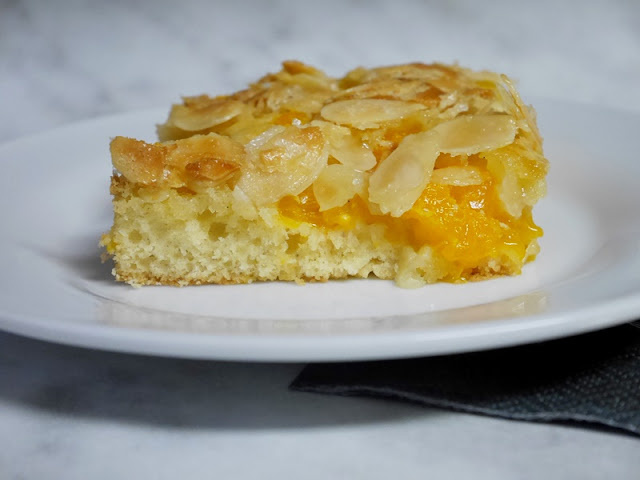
(76, 414)
(79, 414)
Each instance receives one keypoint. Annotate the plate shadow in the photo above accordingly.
(174, 393)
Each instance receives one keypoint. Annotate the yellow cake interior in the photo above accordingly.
(416, 173)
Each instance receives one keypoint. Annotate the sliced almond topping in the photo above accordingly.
(528, 113)
(295, 67)
(212, 171)
(352, 153)
(283, 161)
(294, 97)
(471, 134)
(336, 185)
(457, 176)
(259, 142)
(392, 89)
(200, 113)
(164, 163)
(206, 147)
(138, 161)
(518, 184)
(403, 175)
(367, 112)
(346, 148)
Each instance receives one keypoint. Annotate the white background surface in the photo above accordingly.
(76, 414)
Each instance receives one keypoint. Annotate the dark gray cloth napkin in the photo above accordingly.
(591, 379)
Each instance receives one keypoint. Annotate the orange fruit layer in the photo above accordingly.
(465, 224)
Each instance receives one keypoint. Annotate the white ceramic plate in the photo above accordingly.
(55, 204)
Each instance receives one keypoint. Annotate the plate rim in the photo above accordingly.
(269, 348)
(117, 338)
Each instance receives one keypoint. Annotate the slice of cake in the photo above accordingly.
(416, 173)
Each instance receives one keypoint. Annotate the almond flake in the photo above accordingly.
(368, 112)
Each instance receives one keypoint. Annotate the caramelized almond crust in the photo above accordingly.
(416, 173)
